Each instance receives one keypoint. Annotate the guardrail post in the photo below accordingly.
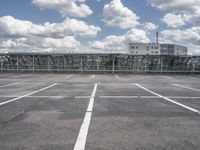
(145, 64)
(17, 62)
(193, 67)
(97, 63)
(113, 64)
(33, 57)
(161, 65)
(81, 64)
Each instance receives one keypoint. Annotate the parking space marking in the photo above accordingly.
(186, 87)
(82, 97)
(140, 76)
(145, 97)
(20, 97)
(23, 75)
(82, 136)
(69, 76)
(169, 100)
(93, 76)
(167, 77)
(7, 85)
(118, 97)
(116, 76)
(2, 75)
(53, 97)
(45, 76)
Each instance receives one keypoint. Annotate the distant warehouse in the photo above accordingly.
(157, 49)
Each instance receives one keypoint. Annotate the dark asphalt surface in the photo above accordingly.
(124, 116)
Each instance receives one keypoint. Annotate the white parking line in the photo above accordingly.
(23, 75)
(116, 76)
(20, 97)
(82, 136)
(128, 97)
(8, 85)
(93, 76)
(69, 76)
(166, 77)
(45, 76)
(140, 76)
(169, 100)
(82, 97)
(3, 75)
(145, 97)
(186, 87)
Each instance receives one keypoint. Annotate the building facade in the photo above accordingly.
(157, 49)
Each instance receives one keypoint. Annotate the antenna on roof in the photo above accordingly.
(157, 37)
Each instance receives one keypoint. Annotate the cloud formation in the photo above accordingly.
(75, 8)
(17, 33)
(115, 14)
(120, 43)
(190, 9)
(11, 27)
(173, 20)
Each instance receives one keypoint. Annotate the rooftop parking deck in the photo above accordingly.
(60, 111)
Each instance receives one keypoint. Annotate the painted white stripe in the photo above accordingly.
(69, 76)
(183, 97)
(80, 97)
(93, 76)
(186, 87)
(128, 97)
(146, 97)
(20, 97)
(139, 76)
(46, 76)
(8, 85)
(23, 75)
(82, 136)
(169, 100)
(166, 77)
(116, 76)
(3, 75)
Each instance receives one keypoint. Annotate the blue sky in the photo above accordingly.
(96, 25)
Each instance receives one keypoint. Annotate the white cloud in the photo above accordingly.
(11, 27)
(173, 20)
(19, 34)
(74, 8)
(190, 9)
(120, 43)
(150, 26)
(191, 35)
(117, 15)
(65, 44)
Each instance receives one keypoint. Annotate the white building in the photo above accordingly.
(157, 49)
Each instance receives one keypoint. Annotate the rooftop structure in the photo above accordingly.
(157, 49)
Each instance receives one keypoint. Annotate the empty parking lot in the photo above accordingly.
(99, 112)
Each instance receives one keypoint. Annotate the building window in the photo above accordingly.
(136, 47)
(136, 52)
(132, 47)
(156, 52)
(152, 47)
(156, 47)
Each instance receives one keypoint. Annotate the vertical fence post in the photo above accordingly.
(193, 67)
(48, 63)
(17, 63)
(113, 64)
(97, 63)
(161, 65)
(33, 61)
(81, 64)
(145, 64)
